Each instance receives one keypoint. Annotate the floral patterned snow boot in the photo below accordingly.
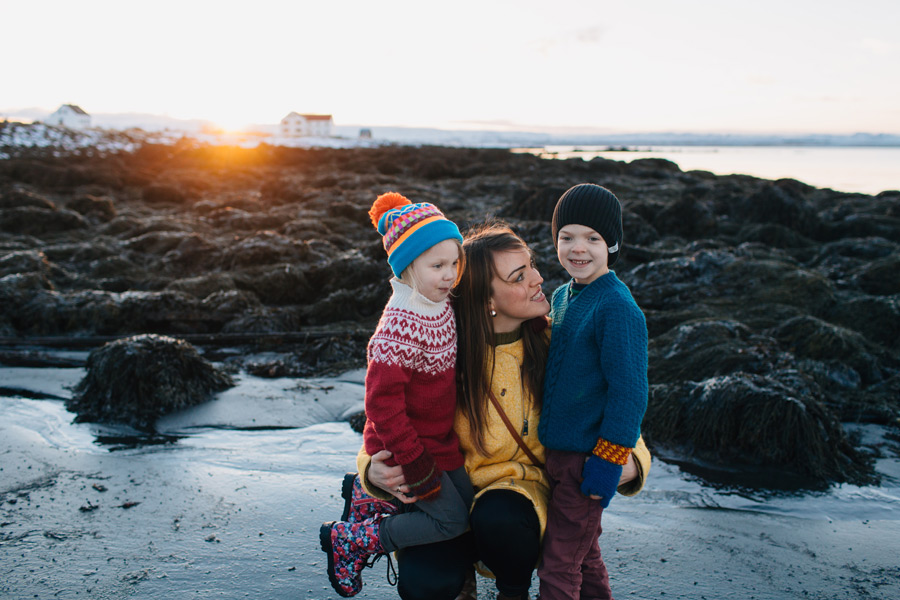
(358, 505)
(350, 548)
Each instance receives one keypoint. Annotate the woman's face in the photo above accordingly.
(516, 294)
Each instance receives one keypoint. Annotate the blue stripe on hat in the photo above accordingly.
(420, 241)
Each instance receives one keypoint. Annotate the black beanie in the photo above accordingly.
(592, 206)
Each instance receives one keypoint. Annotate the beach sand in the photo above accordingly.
(228, 503)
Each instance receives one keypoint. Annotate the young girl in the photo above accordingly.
(410, 398)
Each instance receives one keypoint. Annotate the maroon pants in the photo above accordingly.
(572, 567)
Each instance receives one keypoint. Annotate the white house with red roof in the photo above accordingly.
(69, 116)
(296, 125)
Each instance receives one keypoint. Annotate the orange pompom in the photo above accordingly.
(384, 203)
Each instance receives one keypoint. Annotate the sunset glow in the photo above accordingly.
(592, 65)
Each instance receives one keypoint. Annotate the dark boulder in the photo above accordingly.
(277, 284)
(875, 317)
(18, 288)
(699, 350)
(688, 217)
(773, 234)
(784, 204)
(809, 337)
(193, 254)
(672, 283)
(136, 380)
(204, 285)
(770, 426)
(231, 302)
(239, 220)
(99, 207)
(156, 242)
(533, 205)
(659, 168)
(22, 196)
(265, 320)
(880, 277)
(163, 194)
(45, 312)
(24, 261)
(32, 220)
(264, 248)
(362, 305)
(639, 233)
(734, 278)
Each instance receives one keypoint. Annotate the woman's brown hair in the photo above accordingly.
(476, 332)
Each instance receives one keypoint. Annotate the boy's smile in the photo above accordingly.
(583, 253)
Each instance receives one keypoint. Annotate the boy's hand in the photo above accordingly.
(601, 478)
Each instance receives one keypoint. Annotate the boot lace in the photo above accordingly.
(391, 571)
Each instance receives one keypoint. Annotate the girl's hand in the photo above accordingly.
(390, 479)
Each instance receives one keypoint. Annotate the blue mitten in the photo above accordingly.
(601, 478)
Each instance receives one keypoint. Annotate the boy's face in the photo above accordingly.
(582, 252)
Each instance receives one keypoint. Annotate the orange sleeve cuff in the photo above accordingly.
(618, 455)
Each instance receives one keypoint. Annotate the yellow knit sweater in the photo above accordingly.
(507, 467)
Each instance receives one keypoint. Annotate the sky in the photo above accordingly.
(567, 66)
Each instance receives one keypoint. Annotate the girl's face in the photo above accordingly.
(435, 271)
(516, 294)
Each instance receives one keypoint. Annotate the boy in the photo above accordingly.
(595, 391)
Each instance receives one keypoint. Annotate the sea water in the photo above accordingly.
(229, 428)
(865, 170)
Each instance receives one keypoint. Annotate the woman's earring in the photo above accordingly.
(493, 313)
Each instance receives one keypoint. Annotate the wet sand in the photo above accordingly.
(228, 503)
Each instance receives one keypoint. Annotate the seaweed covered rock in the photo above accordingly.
(49, 312)
(32, 220)
(138, 379)
(767, 427)
(808, 337)
(101, 208)
(742, 280)
(705, 348)
(22, 196)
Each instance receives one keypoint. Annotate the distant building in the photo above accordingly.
(70, 116)
(297, 125)
(365, 134)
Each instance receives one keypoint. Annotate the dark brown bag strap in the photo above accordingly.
(514, 433)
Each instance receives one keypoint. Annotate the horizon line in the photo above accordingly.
(495, 127)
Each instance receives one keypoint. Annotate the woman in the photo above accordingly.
(503, 342)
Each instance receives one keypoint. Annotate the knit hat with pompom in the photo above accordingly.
(409, 229)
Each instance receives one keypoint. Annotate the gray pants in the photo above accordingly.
(426, 522)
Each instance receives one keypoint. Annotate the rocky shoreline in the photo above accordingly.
(772, 306)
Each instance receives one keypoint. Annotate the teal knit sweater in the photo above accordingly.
(595, 385)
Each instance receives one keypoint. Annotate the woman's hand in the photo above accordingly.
(390, 479)
(629, 471)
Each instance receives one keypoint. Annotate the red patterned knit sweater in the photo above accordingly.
(411, 381)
